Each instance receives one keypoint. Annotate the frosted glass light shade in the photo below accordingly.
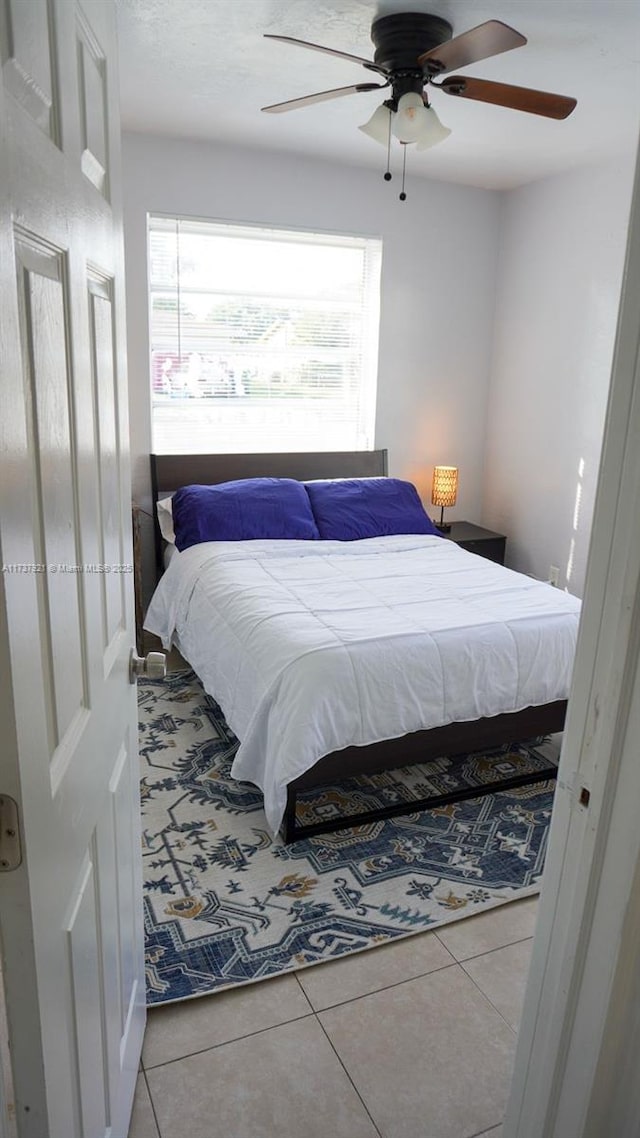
(432, 130)
(378, 125)
(407, 122)
(412, 122)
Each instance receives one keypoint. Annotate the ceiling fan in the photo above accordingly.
(415, 49)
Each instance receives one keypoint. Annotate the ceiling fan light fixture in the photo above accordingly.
(378, 125)
(432, 130)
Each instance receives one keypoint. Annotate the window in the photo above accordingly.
(261, 339)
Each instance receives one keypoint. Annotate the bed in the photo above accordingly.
(326, 667)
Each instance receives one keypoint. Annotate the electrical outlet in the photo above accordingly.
(554, 573)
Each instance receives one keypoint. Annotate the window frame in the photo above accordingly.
(361, 416)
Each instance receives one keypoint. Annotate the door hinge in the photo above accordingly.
(10, 847)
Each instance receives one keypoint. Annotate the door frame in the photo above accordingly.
(577, 1068)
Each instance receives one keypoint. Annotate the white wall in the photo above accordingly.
(438, 287)
(560, 271)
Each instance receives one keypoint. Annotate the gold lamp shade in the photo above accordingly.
(444, 491)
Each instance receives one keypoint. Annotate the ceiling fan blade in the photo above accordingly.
(329, 51)
(322, 96)
(491, 38)
(504, 95)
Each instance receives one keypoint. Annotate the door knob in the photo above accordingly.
(153, 666)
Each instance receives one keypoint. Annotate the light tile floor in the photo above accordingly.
(410, 1040)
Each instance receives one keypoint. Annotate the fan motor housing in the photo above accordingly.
(400, 38)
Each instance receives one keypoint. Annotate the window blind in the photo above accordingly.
(261, 339)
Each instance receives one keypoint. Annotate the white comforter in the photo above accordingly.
(309, 647)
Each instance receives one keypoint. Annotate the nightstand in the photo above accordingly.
(484, 542)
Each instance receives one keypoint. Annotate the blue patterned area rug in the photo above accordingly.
(226, 904)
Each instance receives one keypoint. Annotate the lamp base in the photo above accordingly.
(444, 527)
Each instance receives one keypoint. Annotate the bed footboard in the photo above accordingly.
(422, 747)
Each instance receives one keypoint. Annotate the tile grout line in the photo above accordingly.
(490, 1002)
(295, 974)
(385, 988)
(486, 951)
(153, 1105)
(225, 1042)
(487, 1133)
(339, 1058)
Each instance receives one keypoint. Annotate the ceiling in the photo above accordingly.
(201, 69)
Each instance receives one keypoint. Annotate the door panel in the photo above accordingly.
(27, 59)
(108, 456)
(48, 396)
(107, 859)
(71, 914)
(92, 95)
(129, 939)
(84, 948)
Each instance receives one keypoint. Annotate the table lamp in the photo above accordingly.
(444, 491)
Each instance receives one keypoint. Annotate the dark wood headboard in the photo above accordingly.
(171, 471)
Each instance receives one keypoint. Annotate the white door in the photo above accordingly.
(70, 914)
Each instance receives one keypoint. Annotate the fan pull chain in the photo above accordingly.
(387, 175)
(402, 195)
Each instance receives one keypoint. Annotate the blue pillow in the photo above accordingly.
(352, 508)
(243, 510)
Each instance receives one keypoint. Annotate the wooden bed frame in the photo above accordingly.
(169, 472)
